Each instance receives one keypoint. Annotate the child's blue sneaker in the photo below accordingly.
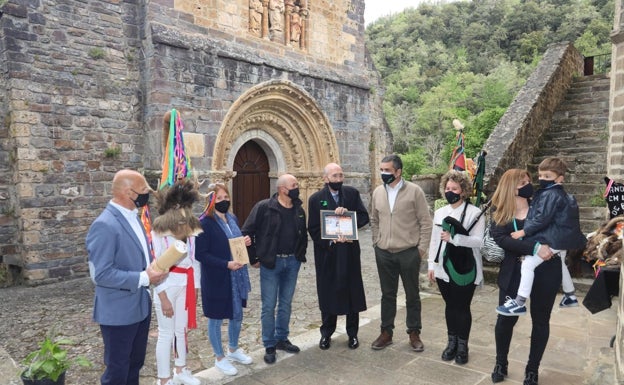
(511, 308)
(568, 302)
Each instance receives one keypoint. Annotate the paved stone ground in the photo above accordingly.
(578, 351)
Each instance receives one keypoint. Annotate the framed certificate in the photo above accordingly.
(334, 225)
(239, 250)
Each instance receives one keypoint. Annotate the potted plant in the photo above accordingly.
(48, 364)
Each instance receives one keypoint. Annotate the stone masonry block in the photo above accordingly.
(194, 144)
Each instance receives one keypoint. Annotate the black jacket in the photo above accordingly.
(339, 282)
(509, 273)
(553, 220)
(263, 225)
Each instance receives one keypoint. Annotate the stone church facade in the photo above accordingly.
(263, 87)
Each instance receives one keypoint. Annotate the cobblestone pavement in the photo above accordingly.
(27, 314)
(578, 351)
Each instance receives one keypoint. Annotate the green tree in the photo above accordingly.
(467, 60)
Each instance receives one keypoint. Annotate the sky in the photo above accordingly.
(374, 9)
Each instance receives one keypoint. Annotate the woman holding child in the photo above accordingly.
(511, 203)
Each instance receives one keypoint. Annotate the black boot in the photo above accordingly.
(530, 378)
(499, 373)
(451, 349)
(462, 351)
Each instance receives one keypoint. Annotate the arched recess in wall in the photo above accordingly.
(288, 125)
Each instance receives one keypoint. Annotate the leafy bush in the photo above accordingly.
(50, 361)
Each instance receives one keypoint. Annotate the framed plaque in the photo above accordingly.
(334, 225)
(239, 250)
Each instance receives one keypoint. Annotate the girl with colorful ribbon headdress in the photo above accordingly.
(173, 240)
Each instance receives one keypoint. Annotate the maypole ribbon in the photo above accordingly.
(146, 221)
(211, 199)
(176, 163)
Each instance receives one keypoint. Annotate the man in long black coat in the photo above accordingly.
(338, 269)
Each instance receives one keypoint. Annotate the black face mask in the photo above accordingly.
(526, 191)
(335, 185)
(293, 194)
(387, 178)
(451, 197)
(546, 183)
(222, 206)
(141, 199)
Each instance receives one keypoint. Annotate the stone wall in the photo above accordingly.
(615, 157)
(515, 138)
(73, 116)
(87, 82)
(9, 246)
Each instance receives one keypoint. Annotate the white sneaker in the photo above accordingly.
(185, 377)
(568, 302)
(511, 308)
(239, 356)
(167, 383)
(226, 366)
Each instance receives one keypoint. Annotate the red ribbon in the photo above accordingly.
(190, 304)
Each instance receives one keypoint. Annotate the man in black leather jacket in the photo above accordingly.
(277, 227)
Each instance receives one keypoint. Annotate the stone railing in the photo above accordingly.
(516, 136)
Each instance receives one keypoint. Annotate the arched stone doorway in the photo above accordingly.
(290, 128)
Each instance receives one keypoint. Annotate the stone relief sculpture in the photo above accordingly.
(295, 26)
(276, 15)
(255, 17)
(279, 20)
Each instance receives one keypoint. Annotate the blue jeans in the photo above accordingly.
(214, 334)
(278, 283)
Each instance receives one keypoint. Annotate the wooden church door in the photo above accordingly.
(251, 183)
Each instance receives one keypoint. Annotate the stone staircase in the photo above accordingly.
(579, 134)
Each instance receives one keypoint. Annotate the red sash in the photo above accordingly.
(190, 304)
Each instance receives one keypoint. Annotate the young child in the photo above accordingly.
(553, 220)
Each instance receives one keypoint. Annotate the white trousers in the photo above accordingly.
(531, 262)
(170, 327)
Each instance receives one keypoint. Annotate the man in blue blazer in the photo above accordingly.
(119, 265)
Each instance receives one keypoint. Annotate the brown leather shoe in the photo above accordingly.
(415, 342)
(384, 339)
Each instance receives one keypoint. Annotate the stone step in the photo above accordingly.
(591, 152)
(579, 92)
(562, 122)
(582, 178)
(597, 133)
(592, 108)
(574, 165)
(584, 83)
(584, 189)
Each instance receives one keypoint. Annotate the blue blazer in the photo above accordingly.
(116, 260)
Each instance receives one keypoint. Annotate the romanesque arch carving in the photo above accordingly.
(287, 123)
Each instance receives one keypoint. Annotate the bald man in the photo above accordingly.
(119, 265)
(277, 227)
(339, 283)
